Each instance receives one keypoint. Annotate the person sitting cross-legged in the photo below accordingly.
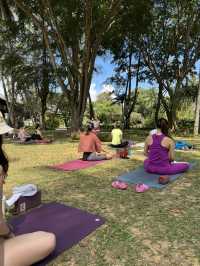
(23, 136)
(159, 148)
(117, 137)
(90, 146)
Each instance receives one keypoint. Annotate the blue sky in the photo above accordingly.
(105, 70)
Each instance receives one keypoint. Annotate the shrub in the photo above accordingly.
(75, 135)
(185, 126)
(104, 136)
(52, 122)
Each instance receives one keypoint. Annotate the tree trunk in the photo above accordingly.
(127, 97)
(170, 111)
(44, 90)
(171, 117)
(158, 104)
(197, 110)
(127, 122)
(92, 115)
(132, 102)
(12, 104)
(124, 105)
(65, 121)
(7, 101)
(43, 112)
(75, 119)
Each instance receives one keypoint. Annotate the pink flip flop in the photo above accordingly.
(119, 185)
(141, 188)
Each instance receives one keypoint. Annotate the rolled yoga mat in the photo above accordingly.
(141, 176)
(74, 165)
(69, 224)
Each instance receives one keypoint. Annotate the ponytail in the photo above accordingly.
(163, 125)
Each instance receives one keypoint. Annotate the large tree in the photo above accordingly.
(25, 67)
(171, 49)
(126, 51)
(73, 32)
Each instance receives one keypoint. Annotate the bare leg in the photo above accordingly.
(1, 251)
(109, 156)
(27, 249)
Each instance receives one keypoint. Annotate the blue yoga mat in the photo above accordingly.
(141, 176)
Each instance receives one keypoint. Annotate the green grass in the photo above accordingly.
(159, 227)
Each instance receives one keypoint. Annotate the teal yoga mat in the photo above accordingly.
(141, 176)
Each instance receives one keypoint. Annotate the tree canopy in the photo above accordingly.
(50, 46)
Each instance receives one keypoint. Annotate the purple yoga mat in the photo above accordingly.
(69, 224)
(75, 165)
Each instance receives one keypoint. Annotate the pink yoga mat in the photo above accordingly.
(74, 165)
(43, 141)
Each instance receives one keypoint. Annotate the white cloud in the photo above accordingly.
(107, 88)
(93, 92)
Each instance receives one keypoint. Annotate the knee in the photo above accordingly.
(49, 241)
(183, 167)
(108, 157)
(187, 166)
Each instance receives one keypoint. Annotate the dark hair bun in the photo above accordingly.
(90, 126)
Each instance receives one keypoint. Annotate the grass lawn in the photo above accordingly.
(159, 227)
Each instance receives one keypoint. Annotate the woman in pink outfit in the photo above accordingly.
(159, 148)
